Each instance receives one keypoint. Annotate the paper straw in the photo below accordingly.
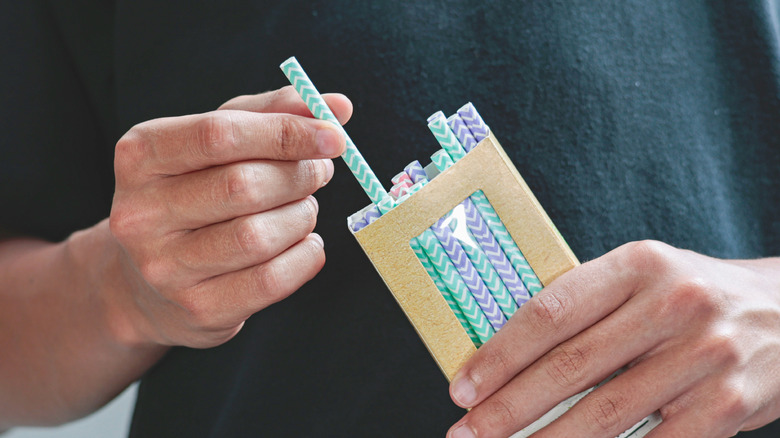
(402, 176)
(457, 222)
(316, 104)
(453, 305)
(487, 242)
(462, 132)
(428, 266)
(454, 282)
(469, 274)
(401, 188)
(488, 247)
(513, 253)
(474, 121)
(437, 123)
(489, 215)
(359, 225)
(415, 171)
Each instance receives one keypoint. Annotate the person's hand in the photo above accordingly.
(700, 336)
(214, 215)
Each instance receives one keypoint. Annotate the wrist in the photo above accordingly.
(113, 285)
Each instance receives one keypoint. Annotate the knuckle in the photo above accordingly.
(308, 210)
(269, 280)
(199, 315)
(648, 256)
(250, 238)
(731, 403)
(499, 412)
(129, 152)
(566, 365)
(718, 348)
(289, 133)
(127, 223)
(695, 294)
(549, 311)
(310, 174)
(241, 185)
(215, 134)
(156, 272)
(497, 361)
(604, 412)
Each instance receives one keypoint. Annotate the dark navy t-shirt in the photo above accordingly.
(628, 119)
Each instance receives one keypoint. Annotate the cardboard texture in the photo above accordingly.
(386, 242)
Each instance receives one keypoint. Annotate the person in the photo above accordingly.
(631, 121)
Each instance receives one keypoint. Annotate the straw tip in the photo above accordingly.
(435, 116)
(467, 106)
(290, 60)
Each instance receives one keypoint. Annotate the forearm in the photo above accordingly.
(66, 346)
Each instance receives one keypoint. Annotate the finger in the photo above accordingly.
(628, 398)
(222, 193)
(287, 100)
(571, 367)
(177, 145)
(570, 304)
(223, 302)
(245, 241)
(715, 408)
(700, 416)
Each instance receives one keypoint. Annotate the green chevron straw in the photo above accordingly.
(437, 123)
(316, 104)
(473, 251)
(437, 280)
(454, 282)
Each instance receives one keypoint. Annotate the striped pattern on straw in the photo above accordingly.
(316, 104)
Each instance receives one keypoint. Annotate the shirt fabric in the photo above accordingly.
(628, 119)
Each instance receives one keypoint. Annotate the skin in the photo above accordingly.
(211, 222)
(700, 338)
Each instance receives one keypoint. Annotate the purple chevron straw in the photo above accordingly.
(415, 171)
(462, 131)
(483, 236)
(474, 121)
(370, 215)
(458, 256)
(469, 273)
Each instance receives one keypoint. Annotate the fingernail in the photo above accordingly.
(318, 238)
(464, 392)
(329, 142)
(328, 172)
(464, 431)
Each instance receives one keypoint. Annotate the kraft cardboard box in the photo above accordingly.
(386, 242)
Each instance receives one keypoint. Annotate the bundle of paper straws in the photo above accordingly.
(469, 254)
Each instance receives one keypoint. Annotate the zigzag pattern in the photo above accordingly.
(359, 224)
(462, 132)
(446, 137)
(401, 188)
(460, 292)
(441, 160)
(519, 263)
(372, 214)
(426, 262)
(481, 233)
(401, 177)
(355, 161)
(416, 171)
(470, 275)
(474, 121)
(491, 278)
